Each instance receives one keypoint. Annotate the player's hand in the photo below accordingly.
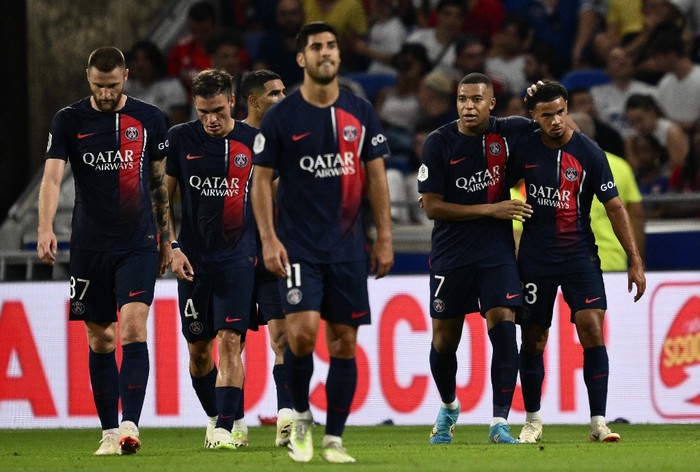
(510, 210)
(47, 247)
(382, 258)
(275, 257)
(165, 257)
(181, 266)
(635, 276)
(532, 89)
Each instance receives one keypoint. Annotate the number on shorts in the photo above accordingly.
(441, 278)
(294, 275)
(190, 311)
(74, 282)
(530, 293)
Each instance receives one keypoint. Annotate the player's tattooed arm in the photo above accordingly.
(161, 210)
(159, 199)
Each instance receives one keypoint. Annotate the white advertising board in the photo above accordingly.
(653, 345)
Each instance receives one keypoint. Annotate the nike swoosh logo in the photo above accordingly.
(133, 294)
(84, 135)
(189, 157)
(357, 314)
(530, 166)
(591, 300)
(510, 296)
(297, 137)
(456, 161)
(232, 320)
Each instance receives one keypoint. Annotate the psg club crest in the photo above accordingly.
(495, 149)
(77, 307)
(294, 296)
(241, 160)
(571, 174)
(438, 305)
(350, 133)
(131, 133)
(196, 327)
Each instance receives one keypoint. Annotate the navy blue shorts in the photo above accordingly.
(338, 291)
(476, 287)
(267, 304)
(215, 301)
(103, 282)
(581, 290)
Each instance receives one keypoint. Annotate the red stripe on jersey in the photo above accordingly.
(350, 135)
(131, 146)
(496, 152)
(570, 175)
(239, 168)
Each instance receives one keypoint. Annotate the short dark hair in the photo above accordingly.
(212, 82)
(476, 78)
(225, 38)
(666, 40)
(255, 81)
(446, 3)
(202, 11)
(310, 29)
(549, 91)
(638, 101)
(153, 53)
(106, 59)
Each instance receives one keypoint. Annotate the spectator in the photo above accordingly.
(506, 59)
(226, 51)
(349, 18)
(509, 104)
(386, 35)
(470, 56)
(679, 88)
(659, 16)
(189, 56)
(649, 167)
(610, 99)
(541, 63)
(436, 99)
(148, 82)
(441, 40)
(397, 105)
(690, 10)
(277, 49)
(607, 137)
(483, 18)
(645, 117)
(566, 25)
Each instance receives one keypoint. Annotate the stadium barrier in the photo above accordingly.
(654, 349)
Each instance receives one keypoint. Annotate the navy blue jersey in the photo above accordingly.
(213, 174)
(110, 156)
(319, 155)
(560, 185)
(469, 170)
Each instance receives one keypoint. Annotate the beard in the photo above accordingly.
(108, 105)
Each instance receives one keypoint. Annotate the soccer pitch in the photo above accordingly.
(376, 448)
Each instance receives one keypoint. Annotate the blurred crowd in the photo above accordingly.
(631, 66)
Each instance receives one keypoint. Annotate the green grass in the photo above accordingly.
(377, 448)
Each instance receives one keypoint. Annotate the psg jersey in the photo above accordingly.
(319, 154)
(560, 184)
(217, 230)
(469, 170)
(110, 155)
